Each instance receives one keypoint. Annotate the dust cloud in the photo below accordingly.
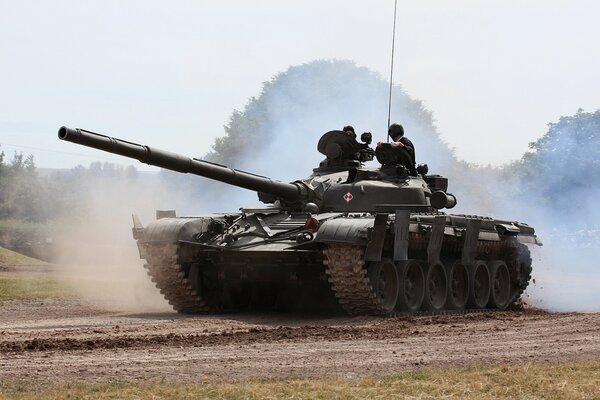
(97, 254)
(566, 269)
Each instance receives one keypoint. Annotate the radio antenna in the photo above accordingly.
(392, 70)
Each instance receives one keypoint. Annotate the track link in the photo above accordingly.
(345, 267)
(165, 271)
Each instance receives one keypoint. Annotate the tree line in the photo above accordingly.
(33, 201)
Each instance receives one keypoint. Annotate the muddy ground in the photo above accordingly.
(73, 340)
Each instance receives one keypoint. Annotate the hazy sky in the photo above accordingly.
(169, 74)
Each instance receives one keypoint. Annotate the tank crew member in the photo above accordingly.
(364, 153)
(396, 133)
(349, 129)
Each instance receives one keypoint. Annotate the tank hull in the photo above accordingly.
(354, 263)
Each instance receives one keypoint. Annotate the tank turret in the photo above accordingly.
(339, 184)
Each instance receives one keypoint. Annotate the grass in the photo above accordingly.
(8, 257)
(575, 380)
(17, 287)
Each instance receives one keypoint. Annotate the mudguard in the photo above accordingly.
(345, 230)
(172, 230)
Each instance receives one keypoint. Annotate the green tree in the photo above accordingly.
(306, 100)
(21, 191)
(563, 166)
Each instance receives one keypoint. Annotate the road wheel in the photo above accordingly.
(412, 286)
(500, 285)
(436, 287)
(458, 286)
(383, 278)
(479, 290)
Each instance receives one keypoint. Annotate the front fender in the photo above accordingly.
(345, 230)
(172, 230)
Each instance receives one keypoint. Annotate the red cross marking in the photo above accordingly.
(348, 197)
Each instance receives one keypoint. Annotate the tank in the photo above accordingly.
(362, 240)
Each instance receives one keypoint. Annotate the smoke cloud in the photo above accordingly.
(555, 185)
(96, 252)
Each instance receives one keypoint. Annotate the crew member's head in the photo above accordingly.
(396, 131)
(349, 130)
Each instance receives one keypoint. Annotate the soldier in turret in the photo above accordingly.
(349, 129)
(364, 152)
(401, 142)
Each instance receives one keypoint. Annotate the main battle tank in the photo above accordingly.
(364, 240)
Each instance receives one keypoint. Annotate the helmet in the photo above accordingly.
(349, 128)
(395, 130)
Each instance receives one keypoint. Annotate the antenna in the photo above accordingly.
(392, 70)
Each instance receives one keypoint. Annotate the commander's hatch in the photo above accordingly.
(338, 147)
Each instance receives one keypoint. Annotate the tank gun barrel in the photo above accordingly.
(176, 162)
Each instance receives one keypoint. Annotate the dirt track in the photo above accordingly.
(66, 340)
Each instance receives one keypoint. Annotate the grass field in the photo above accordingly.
(8, 257)
(579, 380)
(17, 287)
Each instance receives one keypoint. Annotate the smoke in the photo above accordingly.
(557, 188)
(96, 252)
(566, 271)
(553, 189)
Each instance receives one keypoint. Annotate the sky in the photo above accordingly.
(169, 74)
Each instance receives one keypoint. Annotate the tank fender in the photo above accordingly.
(529, 239)
(345, 230)
(175, 230)
(172, 230)
(369, 232)
(508, 229)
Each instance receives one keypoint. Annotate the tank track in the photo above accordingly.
(520, 269)
(346, 271)
(345, 267)
(165, 271)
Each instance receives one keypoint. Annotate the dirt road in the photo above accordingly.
(66, 340)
